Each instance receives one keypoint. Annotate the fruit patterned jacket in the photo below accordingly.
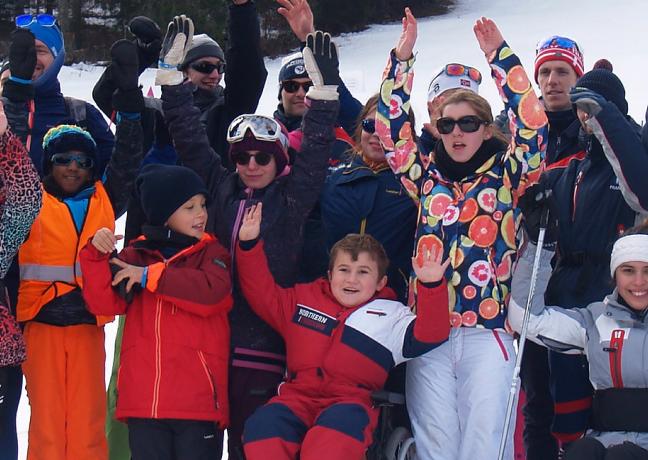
(20, 199)
(474, 220)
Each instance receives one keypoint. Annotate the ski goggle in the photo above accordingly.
(459, 70)
(207, 67)
(26, 20)
(243, 158)
(65, 159)
(369, 125)
(292, 86)
(467, 124)
(556, 41)
(261, 127)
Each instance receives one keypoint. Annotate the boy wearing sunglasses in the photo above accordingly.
(65, 367)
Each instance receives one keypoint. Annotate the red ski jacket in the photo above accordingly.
(336, 350)
(175, 346)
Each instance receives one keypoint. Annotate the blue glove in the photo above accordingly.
(587, 100)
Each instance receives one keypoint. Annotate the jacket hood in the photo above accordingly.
(48, 83)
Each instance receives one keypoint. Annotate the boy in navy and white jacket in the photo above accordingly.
(343, 335)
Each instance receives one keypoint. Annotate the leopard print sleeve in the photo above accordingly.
(21, 197)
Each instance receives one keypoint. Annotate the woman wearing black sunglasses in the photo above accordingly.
(467, 191)
(259, 148)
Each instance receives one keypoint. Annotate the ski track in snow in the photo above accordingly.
(603, 29)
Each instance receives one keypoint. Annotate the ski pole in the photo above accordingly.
(513, 393)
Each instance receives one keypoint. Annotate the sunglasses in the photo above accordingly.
(556, 41)
(243, 158)
(26, 20)
(369, 125)
(65, 159)
(459, 70)
(207, 67)
(292, 86)
(467, 124)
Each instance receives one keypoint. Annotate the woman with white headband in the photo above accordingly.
(612, 334)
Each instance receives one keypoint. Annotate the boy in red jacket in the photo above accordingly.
(173, 284)
(343, 335)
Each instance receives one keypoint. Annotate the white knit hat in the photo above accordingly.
(631, 248)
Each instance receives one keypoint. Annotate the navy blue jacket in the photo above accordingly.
(596, 197)
(356, 199)
(51, 110)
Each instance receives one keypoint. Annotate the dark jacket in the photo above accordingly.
(51, 110)
(287, 201)
(244, 81)
(596, 197)
(356, 199)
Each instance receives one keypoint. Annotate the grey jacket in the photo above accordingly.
(589, 331)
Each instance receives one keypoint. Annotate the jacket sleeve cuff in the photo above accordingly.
(249, 244)
(323, 93)
(153, 276)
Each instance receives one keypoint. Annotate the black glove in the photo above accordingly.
(124, 73)
(537, 208)
(148, 39)
(326, 57)
(22, 62)
(121, 287)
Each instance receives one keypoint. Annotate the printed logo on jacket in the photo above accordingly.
(315, 320)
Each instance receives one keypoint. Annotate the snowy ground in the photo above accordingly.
(604, 28)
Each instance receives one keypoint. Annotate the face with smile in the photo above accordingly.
(71, 177)
(354, 282)
(370, 143)
(257, 176)
(44, 59)
(556, 79)
(206, 81)
(190, 218)
(461, 146)
(632, 284)
(293, 103)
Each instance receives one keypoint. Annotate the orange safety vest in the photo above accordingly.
(49, 259)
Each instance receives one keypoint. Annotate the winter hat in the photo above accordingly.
(50, 35)
(443, 82)
(557, 48)
(278, 148)
(606, 84)
(202, 46)
(164, 188)
(292, 67)
(631, 248)
(66, 138)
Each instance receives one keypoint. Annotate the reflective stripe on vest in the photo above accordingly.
(36, 272)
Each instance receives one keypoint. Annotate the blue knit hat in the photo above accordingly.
(51, 36)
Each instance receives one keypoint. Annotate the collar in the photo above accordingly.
(455, 171)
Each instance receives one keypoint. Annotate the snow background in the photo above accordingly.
(603, 29)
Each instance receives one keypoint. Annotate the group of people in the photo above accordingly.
(279, 270)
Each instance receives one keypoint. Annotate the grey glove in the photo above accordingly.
(174, 48)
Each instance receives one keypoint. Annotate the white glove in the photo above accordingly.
(176, 42)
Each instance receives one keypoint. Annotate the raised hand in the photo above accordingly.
(488, 35)
(431, 269)
(407, 39)
(22, 63)
(174, 48)
(251, 225)
(321, 59)
(125, 73)
(299, 16)
(587, 100)
(105, 240)
(148, 39)
(131, 273)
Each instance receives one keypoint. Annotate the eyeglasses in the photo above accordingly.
(243, 158)
(458, 70)
(369, 125)
(292, 86)
(467, 124)
(556, 41)
(261, 127)
(207, 67)
(26, 20)
(65, 159)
